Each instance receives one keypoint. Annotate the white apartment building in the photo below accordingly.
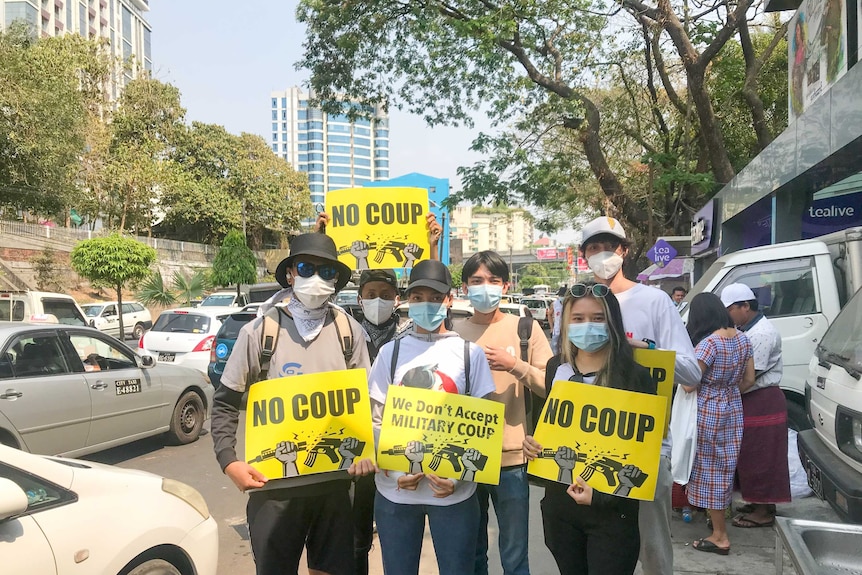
(120, 21)
(497, 229)
(334, 151)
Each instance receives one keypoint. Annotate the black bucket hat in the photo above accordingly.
(431, 274)
(313, 244)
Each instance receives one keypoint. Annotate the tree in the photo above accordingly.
(583, 88)
(455, 270)
(47, 270)
(114, 260)
(189, 288)
(234, 263)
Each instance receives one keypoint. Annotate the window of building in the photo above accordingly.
(275, 102)
(362, 122)
(344, 180)
(362, 172)
(315, 146)
(317, 187)
(341, 160)
(339, 169)
(284, 126)
(381, 153)
(315, 167)
(315, 135)
(127, 25)
(22, 11)
(275, 126)
(303, 158)
(337, 129)
(301, 115)
(362, 162)
(361, 142)
(317, 198)
(381, 174)
(82, 19)
(339, 118)
(303, 103)
(338, 149)
(275, 147)
(361, 181)
(70, 17)
(302, 126)
(360, 131)
(148, 48)
(284, 147)
(315, 177)
(284, 114)
(274, 115)
(284, 136)
(302, 136)
(284, 102)
(315, 125)
(339, 139)
(316, 157)
(381, 163)
(275, 136)
(302, 147)
(315, 115)
(381, 143)
(381, 133)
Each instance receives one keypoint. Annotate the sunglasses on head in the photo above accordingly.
(325, 271)
(580, 290)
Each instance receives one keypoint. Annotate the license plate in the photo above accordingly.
(814, 479)
(127, 386)
(167, 356)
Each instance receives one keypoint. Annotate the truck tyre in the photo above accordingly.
(187, 419)
(797, 418)
(155, 567)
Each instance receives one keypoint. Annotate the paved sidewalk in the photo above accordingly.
(752, 550)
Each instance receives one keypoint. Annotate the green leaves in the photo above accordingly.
(235, 262)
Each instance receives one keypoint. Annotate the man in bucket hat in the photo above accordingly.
(311, 512)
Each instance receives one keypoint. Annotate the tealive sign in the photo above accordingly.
(832, 214)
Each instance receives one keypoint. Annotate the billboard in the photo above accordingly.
(816, 52)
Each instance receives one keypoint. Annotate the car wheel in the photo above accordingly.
(138, 332)
(797, 419)
(187, 419)
(155, 567)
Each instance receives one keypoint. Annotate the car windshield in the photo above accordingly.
(842, 344)
(347, 297)
(233, 323)
(511, 310)
(534, 303)
(93, 310)
(182, 323)
(218, 300)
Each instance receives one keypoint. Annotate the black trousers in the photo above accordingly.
(363, 520)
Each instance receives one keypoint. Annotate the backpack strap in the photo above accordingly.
(525, 331)
(467, 367)
(394, 362)
(345, 334)
(268, 339)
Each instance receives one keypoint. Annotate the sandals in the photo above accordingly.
(708, 546)
(746, 522)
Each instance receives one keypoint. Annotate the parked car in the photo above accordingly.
(224, 299)
(225, 340)
(517, 309)
(259, 293)
(831, 451)
(540, 308)
(184, 336)
(36, 305)
(801, 287)
(74, 390)
(103, 316)
(69, 516)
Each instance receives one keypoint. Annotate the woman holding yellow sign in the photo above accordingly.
(585, 530)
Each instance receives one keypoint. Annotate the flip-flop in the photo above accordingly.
(708, 546)
(745, 508)
(748, 523)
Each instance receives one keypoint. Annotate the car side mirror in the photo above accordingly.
(146, 361)
(13, 500)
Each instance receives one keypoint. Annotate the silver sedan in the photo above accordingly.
(74, 390)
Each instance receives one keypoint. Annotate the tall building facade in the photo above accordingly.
(334, 151)
(497, 229)
(119, 21)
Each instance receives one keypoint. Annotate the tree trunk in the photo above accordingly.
(119, 288)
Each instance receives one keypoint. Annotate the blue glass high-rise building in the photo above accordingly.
(334, 151)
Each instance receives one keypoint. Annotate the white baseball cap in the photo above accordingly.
(736, 293)
(602, 225)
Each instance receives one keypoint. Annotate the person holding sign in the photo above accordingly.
(486, 276)
(726, 360)
(430, 357)
(299, 511)
(585, 530)
(650, 320)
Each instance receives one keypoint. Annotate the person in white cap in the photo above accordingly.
(762, 473)
(650, 320)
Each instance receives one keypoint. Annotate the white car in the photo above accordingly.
(540, 307)
(103, 316)
(517, 309)
(184, 336)
(66, 516)
(224, 299)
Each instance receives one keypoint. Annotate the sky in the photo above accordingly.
(227, 56)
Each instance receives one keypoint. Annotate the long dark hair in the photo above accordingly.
(706, 314)
(620, 363)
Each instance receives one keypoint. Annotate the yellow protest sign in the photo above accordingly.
(660, 363)
(450, 435)
(378, 228)
(610, 437)
(307, 424)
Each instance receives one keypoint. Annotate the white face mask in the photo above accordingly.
(313, 292)
(605, 264)
(378, 310)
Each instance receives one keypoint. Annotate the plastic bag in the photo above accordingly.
(683, 429)
(798, 477)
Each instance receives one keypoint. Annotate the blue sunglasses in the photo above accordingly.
(325, 271)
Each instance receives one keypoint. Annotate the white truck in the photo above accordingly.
(38, 306)
(801, 287)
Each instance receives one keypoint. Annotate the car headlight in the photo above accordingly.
(848, 432)
(188, 494)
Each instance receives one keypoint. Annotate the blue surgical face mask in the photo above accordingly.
(427, 315)
(588, 336)
(485, 298)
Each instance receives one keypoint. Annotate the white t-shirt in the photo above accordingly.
(434, 361)
(649, 313)
(766, 344)
(558, 320)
